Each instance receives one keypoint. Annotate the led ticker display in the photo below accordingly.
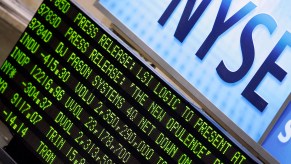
(76, 94)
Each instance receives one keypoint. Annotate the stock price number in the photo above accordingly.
(41, 31)
(72, 156)
(128, 134)
(106, 138)
(62, 5)
(89, 146)
(49, 15)
(34, 117)
(121, 152)
(111, 118)
(33, 93)
(20, 103)
(40, 76)
(131, 113)
(11, 119)
(107, 116)
(53, 64)
(142, 147)
(91, 125)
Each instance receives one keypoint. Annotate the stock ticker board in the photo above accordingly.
(74, 93)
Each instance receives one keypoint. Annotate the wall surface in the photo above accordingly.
(9, 36)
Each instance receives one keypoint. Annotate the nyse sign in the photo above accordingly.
(221, 25)
(278, 142)
(236, 53)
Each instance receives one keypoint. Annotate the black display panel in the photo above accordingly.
(75, 93)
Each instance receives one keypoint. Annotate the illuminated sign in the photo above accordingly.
(74, 93)
(278, 142)
(235, 53)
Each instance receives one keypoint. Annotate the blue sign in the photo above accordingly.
(236, 53)
(278, 142)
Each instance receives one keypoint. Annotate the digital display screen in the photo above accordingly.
(75, 93)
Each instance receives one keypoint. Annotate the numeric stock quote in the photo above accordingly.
(74, 93)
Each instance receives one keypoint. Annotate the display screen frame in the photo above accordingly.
(157, 74)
